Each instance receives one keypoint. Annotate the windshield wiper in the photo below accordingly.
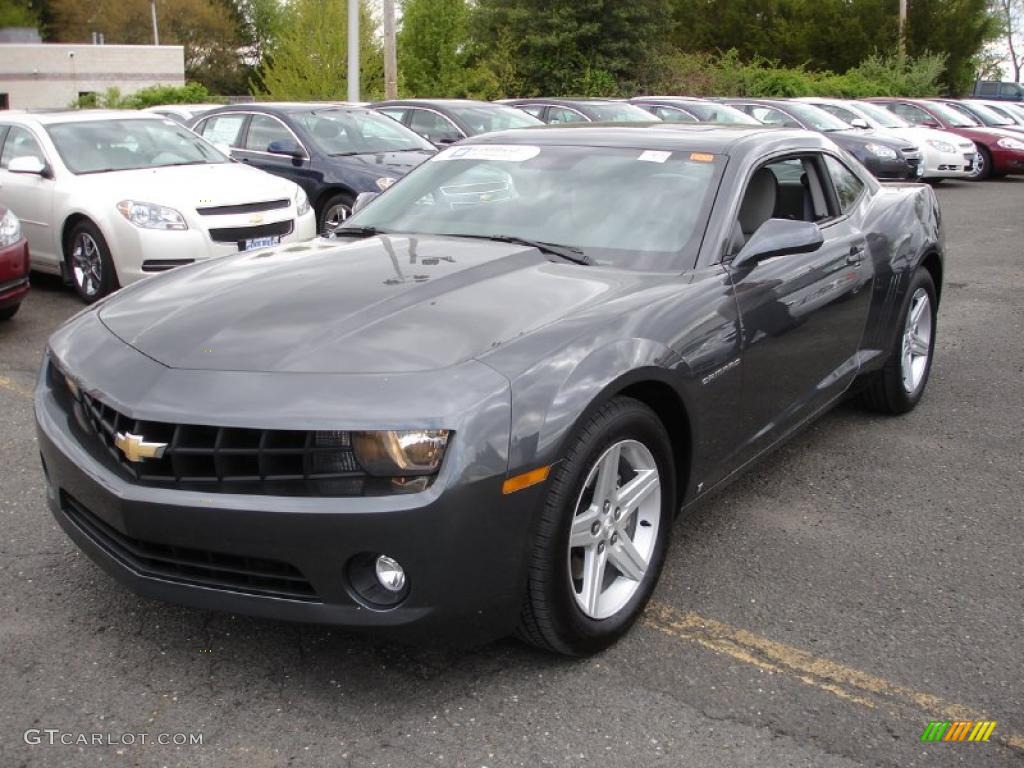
(358, 232)
(567, 252)
(347, 154)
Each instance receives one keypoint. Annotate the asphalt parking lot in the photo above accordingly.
(861, 582)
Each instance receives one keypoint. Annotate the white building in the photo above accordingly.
(54, 75)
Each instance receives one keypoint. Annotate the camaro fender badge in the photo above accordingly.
(716, 373)
(135, 448)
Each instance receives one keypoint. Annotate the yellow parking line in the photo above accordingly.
(837, 679)
(10, 386)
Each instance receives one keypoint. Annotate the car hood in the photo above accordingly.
(863, 138)
(189, 186)
(377, 164)
(383, 304)
(921, 135)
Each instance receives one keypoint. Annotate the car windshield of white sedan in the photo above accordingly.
(494, 117)
(340, 132)
(880, 115)
(98, 146)
(619, 113)
(633, 208)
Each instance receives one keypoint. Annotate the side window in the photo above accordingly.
(223, 129)
(989, 89)
(532, 109)
(770, 116)
(563, 115)
(263, 131)
(395, 113)
(20, 143)
(670, 115)
(848, 186)
(910, 113)
(434, 127)
(1010, 91)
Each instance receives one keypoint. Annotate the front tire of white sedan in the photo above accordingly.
(603, 533)
(89, 264)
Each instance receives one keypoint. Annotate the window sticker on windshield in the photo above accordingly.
(653, 156)
(702, 157)
(512, 153)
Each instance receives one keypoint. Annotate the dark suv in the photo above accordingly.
(332, 151)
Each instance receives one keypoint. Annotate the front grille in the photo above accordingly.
(240, 234)
(227, 210)
(234, 459)
(216, 570)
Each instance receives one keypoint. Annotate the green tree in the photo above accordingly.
(18, 13)
(957, 29)
(569, 46)
(309, 59)
(433, 47)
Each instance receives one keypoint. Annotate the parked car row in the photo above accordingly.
(108, 197)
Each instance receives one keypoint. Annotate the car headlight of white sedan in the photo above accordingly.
(151, 215)
(1015, 144)
(10, 229)
(301, 201)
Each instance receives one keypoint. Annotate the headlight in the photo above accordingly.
(10, 230)
(384, 182)
(942, 146)
(880, 151)
(402, 453)
(151, 216)
(1011, 144)
(301, 201)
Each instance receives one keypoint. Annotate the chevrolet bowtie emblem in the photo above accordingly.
(256, 219)
(135, 448)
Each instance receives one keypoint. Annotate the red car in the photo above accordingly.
(13, 264)
(999, 151)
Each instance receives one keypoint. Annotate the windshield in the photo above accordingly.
(983, 114)
(492, 117)
(630, 208)
(954, 117)
(357, 131)
(816, 118)
(719, 113)
(98, 146)
(881, 115)
(617, 113)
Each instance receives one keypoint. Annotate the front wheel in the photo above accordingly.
(982, 165)
(8, 312)
(899, 386)
(334, 213)
(92, 269)
(603, 533)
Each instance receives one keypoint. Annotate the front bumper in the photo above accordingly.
(948, 165)
(14, 274)
(891, 169)
(1007, 160)
(461, 542)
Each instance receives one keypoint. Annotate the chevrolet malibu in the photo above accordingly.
(106, 198)
(478, 410)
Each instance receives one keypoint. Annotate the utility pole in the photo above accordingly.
(156, 32)
(390, 57)
(903, 29)
(353, 50)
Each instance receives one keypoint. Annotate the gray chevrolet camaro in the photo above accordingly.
(478, 410)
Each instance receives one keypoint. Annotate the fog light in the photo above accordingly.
(390, 574)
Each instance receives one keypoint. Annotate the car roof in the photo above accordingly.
(78, 116)
(285, 107)
(435, 103)
(567, 101)
(695, 137)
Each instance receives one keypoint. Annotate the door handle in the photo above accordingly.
(855, 255)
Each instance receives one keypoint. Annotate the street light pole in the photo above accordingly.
(903, 28)
(353, 50)
(156, 32)
(390, 57)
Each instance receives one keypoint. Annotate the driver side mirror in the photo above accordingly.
(285, 147)
(363, 199)
(779, 237)
(861, 123)
(29, 164)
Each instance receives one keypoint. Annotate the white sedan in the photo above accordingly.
(106, 197)
(944, 155)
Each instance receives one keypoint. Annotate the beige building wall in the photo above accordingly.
(52, 75)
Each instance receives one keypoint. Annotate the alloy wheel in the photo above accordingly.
(87, 264)
(335, 216)
(917, 341)
(979, 165)
(614, 529)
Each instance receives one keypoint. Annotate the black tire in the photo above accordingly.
(8, 312)
(551, 618)
(985, 160)
(92, 272)
(884, 390)
(326, 215)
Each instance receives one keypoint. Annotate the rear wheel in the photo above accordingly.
(9, 312)
(603, 533)
(899, 386)
(89, 262)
